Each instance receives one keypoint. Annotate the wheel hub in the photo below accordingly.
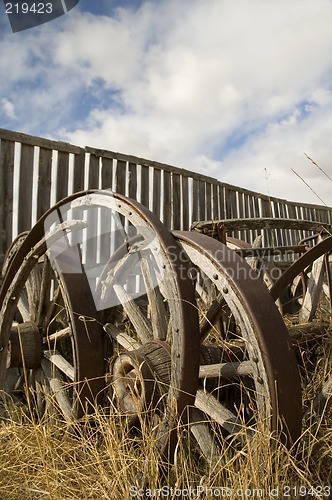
(25, 346)
(141, 377)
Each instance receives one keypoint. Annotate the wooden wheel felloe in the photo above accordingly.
(248, 381)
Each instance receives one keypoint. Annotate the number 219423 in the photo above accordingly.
(24, 8)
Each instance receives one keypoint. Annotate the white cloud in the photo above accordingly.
(7, 108)
(231, 89)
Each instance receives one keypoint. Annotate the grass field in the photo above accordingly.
(100, 458)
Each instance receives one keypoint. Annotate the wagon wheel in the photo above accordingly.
(310, 321)
(246, 357)
(148, 310)
(49, 346)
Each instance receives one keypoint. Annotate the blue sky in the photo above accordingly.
(237, 90)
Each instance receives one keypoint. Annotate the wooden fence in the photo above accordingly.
(37, 172)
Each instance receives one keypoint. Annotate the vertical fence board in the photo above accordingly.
(176, 201)
(208, 201)
(44, 181)
(156, 189)
(106, 173)
(145, 185)
(266, 209)
(78, 172)
(25, 188)
(93, 182)
(201, 200)
(120, 177)
(132, 181)
(167, 209)
(62, 175)
(215, 202)
(105, 218)
(185, 223)
(6, 195)
(194, 200)
(222, 202)
(92, 216)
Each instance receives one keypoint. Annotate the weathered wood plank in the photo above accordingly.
(176, 201)
(78, 171)
(31, 140)
(215, 202)
(222, 202)
(313, 292)
(62, 175)
(195, 190)
(6, 195)
(44, 181)
(132, 180)
(266, 209)
(201, 200)
(156, 192)
(185, 223)
(120, 177)
(106, 173)
(208, 202)
(93, 180)
(145, 185)
(167, 207)
(25, 188)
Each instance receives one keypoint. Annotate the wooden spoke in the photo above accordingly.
(60, 362)
(113, 276)
(218, 412)
(141, 323)
(58, 390)
(59, 335)
(44, 291)
(53, 308)
(155, 298)
(121, 338)
(23, 306)
(208, 319)
(227, 370)
(205, 437)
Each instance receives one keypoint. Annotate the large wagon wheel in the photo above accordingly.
(52, 354)
(247, 361)
(147, 309)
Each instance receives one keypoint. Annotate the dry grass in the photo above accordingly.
(102, 459)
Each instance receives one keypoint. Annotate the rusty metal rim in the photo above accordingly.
(271, 333)
(299, 265)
